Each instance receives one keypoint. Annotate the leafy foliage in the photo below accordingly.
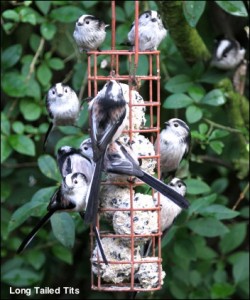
(205, 252)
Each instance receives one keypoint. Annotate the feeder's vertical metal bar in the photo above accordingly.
(113, 25)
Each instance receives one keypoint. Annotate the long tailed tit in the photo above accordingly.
(108, 112)
(151, 31)
(228, 54)
(72, 160)
(120, 160)
(174, 145)
(89, 33)
(69, 197)
(63, 107)
(169, 210)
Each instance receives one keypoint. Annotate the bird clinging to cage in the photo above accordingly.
(89, 33)
(151, 31)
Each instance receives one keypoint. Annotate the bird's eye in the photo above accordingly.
(85, 148)
(147, 15)
(179, 185)
(66, 90)
(87, 22)
(75, 182)
(176, 125)
(53, 92)
(224, 54)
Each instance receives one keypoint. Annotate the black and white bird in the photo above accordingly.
(228, 54)
(121, 160)
(72, 160)
(108, 111)
(89, 33)
(70, 197)
(174, 144)
(151, 31)
(63, 107)
(169, 209)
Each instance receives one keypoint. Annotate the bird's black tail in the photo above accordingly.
(165, 190)
(93, 193)
(34, 231)
(47, 136)
(99, 243)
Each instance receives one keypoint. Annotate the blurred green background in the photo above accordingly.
(205, 254)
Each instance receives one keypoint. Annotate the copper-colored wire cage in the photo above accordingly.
(152, 82)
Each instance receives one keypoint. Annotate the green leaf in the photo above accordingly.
(21, 277)
(34, 90)
(185, 248)
(36, 258)
(219, 212)
(11, 56)
(35, 207)
(214, 98)
(203, 128)
(63, 254)
(142, 65)
(31, 110)
(222, 290)
(220, 185)
(14, 85)
(193, 11)
(193, 114)
(218, 134)
(5, 124)
(34, 41)
(63, 228)
(48, 30)
(48, 167)
(208, 227)
(120, 15)
(196, 186)
(43, 6)
(196, 92)
(44, 74)
(217, 146)
(236, 8)
(234, 238)
(22, 144)
(28, 15)
(176, 101)
(56, 63)
(11, 14)
(66, 14)
(199, 203)
(6, 149)
(240, 262)
(18, 127)
(179, 84)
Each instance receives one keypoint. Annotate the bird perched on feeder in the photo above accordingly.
(174, 144)
(63, 107)
(108, 111)
(121, 160)
(89, 33)
(151, 31)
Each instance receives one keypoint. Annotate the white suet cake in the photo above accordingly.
(113, 196)
(148, 273)
(115, 251)
(144, 222)
(142, 147)
(138, 112)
